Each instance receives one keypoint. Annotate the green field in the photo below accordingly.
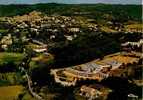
(3, 30)
(14, 57)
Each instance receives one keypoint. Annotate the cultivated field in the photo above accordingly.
(10, 92)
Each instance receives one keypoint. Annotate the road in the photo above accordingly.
(29, 81)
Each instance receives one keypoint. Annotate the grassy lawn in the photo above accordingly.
(10, 92)
(27, 96)
(3, 30)
(11, 78)
(41, 58)
(15, 57)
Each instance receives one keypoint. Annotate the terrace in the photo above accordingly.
(96, 69)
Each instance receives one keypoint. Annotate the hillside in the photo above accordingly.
(96, 11)
(70, 52)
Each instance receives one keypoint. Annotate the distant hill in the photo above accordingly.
(96, 11)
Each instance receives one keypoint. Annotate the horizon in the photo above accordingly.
(8, 2)
(68, 4)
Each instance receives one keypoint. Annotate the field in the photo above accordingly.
(10, 92)
(40, 60)
(3, 30)
(121, 59)
(15, 57)
(139, 26)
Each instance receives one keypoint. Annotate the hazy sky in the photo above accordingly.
(70, 1)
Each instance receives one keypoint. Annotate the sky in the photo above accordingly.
(70, 1)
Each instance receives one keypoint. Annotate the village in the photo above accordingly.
(51, 53)
(54, 28)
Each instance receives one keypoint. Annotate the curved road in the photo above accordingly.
(21, 68)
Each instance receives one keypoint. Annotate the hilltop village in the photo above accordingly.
(78, 57)
(54, 28)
